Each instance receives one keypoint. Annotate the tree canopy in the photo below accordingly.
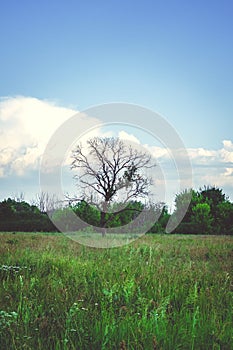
(209, 211)
(108, 170)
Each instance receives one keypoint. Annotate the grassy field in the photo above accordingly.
(159, 292)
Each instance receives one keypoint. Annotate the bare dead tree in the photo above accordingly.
(46, 202)
(19, 197)
(109, 169)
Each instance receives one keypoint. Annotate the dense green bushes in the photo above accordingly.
(21, 216)
(209, 212)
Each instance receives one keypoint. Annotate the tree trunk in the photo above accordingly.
(103, 223)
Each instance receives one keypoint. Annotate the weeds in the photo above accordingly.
(161, 292)
(7, 319)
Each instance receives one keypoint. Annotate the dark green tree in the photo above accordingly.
(214, 196)
(225, 218)
(202, 218)
(87, 213)
(209, 211)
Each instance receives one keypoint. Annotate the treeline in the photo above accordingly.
(209, 212)
(18, 215)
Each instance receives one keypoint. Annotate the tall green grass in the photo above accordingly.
(160, 292)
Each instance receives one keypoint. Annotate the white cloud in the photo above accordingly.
(209, 167)
(202, 154)
(128, 137)
(228, 145)
(213, 167)
(26, 125)
(158, 152)
(228, 172)
(218, 157)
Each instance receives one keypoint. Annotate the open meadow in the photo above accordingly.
(159, 292)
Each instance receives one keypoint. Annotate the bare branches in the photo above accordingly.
(108, 169)
(46, 202)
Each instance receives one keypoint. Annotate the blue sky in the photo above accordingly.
(174, 57)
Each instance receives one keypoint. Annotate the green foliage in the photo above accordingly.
(225, 218)
(209, 211)
(87, 213)
(162, 292)
(7, 319)
(123, 215)
(21, 216)
(187, 199)
(206, 211)
(202, 217)
(161, 211)
(213, 195)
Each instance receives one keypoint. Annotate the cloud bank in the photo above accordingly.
(210, 167)
(26, 125)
